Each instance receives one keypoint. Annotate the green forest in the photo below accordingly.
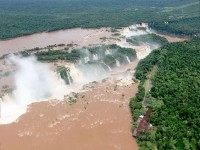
(186, 26)
(174, 97)
(187, 22)
(23, 17)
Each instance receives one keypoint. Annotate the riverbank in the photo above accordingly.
(166, 101)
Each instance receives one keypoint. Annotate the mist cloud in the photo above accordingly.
(34, 81)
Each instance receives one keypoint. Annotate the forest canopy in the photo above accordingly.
(23, 17)
(176, 88)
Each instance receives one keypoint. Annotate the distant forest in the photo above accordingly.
(23, 17)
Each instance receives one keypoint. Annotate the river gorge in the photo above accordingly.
(93, 111)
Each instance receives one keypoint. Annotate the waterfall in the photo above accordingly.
(127, 58)
(117, 63)
(65, 75)
(95, 56)
(107, 66)
(86, 59)
(69, 78)
(59, 76)
(107, 52)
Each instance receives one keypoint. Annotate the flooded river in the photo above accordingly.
(100, 119)
(82, 37)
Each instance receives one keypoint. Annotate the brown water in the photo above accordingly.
(82, 37)
(100, 120)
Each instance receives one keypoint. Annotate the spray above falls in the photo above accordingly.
(34, 81)
(91, 63)
(142, 39)
(111, 55)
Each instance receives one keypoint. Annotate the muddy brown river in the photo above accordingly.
(100, 119)
(79, 36)
(82, 37)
